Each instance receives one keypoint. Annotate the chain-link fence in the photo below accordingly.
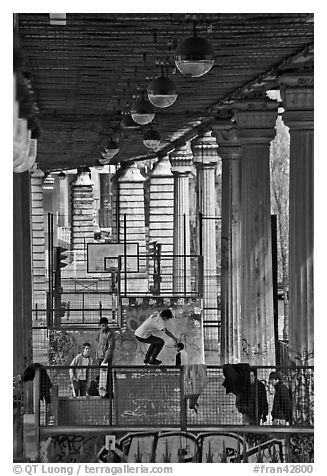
(188, 397)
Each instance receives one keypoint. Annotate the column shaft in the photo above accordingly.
(82, 215)
(205, 159)
(301, 246)
(38, 241)
(256, 120)
(298, 100)
(161, 220)
(181, 166)
(257, 289)
(230, 152)
(131, 204)
(230, 262)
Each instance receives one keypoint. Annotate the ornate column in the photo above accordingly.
(230, 153)
(256, 120)
(38, 240)
(131, 204)
(82, 213)
(161, 219)
(205, 159)
(181, 162)
(298, 101)
(22, 302)
(115, 202)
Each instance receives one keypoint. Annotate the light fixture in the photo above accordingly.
(111, 149)
(151, 139)
(128, 123)
(194, 56)
(105, 158)
(162, 92)
(62, 175)
(142, 110)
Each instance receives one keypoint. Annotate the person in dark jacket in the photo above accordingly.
(252, 402)
(105, 340)
(282, 406)
(105, 347)
(45, 382)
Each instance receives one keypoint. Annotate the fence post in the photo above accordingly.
(182, 400)
(37, 383)
(111, 392)
(184, 251)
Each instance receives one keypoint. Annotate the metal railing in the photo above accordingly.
(139, 396)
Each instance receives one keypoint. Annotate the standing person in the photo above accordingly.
(252, 403)
(104, 353)
(282, 406)
(156, 322)
(79, 376)
(105, 342)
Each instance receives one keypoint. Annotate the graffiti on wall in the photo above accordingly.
(173, 447)
(186, 325)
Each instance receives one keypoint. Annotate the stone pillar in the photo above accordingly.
(161, 220)
(63, 203)
(298, 101)
(181, 163)
(131, 204)
(114, 206)
(82, 214)
(205, 159)
(256, 120)
(38, 241)
(230, 153)
(22, 302)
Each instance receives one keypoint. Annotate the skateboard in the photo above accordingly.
(103, 379)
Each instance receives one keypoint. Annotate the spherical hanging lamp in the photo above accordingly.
(162, 92)
(194, 56)
(104, 160)
(128, 123)
(111, 149)
(151, 139)
(142, 110)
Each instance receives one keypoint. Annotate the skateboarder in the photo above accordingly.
(144, 333)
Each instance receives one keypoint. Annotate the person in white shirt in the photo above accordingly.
(78, 375)
(144, 333)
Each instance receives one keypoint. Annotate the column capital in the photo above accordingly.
(297, 94)
(83, 179)
(181, 160)
(204, 149)
(162, 168)
(131, 174)
(37, 172)
(229, 143)
(256, 119)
